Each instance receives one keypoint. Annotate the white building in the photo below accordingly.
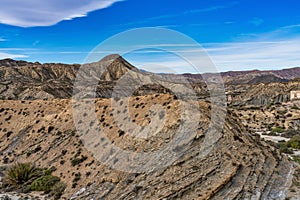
(295, 95)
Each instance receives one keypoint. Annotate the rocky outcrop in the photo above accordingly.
(263, 94)
(239, 166)
(23, 80)
(267, 79)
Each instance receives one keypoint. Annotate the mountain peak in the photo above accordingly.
(117, 66)
(116, 62)
(111, 57)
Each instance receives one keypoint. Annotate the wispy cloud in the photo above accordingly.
(196, 24)
(250, 55)
(12, 56)
(187, 12)
(17, 49)
(2, 39)
(291, 26)
(31, 13)
(212, 8)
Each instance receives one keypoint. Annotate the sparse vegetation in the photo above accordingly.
(296, 159)
(63, 152)
(290, 133)
(77, 177)
(28, 153)
(44, 183)
(76, 161)
(294, 142)
(58, 189)
(27, 177)
(295, 107)
(284, 148)
(277, 130)
(21, 173)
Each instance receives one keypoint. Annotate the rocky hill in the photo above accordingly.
(262, 93)
(239, 166)
(24, 80)
(267, 79)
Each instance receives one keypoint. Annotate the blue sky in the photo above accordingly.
(237, 35)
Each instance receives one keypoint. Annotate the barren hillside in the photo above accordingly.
(39, 128)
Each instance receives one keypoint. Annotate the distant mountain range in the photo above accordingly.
(27, 80)
(255, 76)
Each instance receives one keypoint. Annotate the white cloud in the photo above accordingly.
(16, 49)
(2, 39)
(261, 55)
(248, 55)
(12, 56)
(32, 13)
(168, 65)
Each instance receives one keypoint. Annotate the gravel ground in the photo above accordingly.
(17, 196)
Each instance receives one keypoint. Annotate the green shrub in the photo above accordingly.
(296, 159)
(77, 177)
(26, 177)
(77, 161)
(21, 173)
(284, 148)
(28, 153)
(57, 190)
(295, 107)
(44, 183)
(294, 142)
(290, 133)
(295, 145)
(277, 130)
(48, 172)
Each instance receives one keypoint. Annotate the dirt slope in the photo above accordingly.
(238, 167)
